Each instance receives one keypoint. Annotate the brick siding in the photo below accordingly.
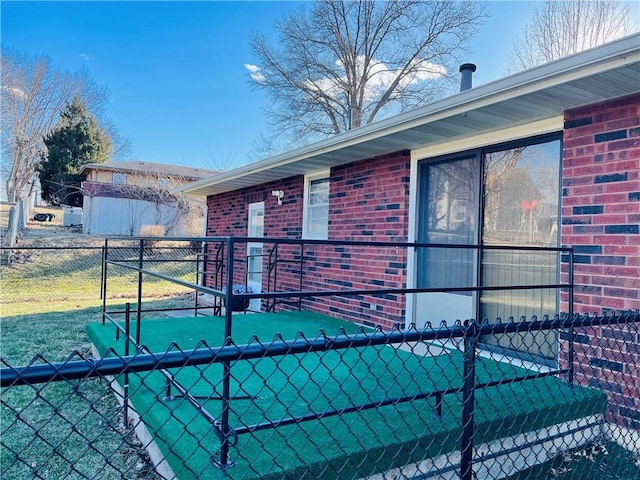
(228, 215)
(600, 219)
(368, 201)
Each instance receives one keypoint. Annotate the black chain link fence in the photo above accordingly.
(164, 394)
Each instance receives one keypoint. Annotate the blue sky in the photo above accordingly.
(176, 70)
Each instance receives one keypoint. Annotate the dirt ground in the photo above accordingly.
(4, 216)
(41, 233)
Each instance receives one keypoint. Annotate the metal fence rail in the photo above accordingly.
(223, 261)
(77, 375)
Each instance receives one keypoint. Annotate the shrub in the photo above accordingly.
(152, 230)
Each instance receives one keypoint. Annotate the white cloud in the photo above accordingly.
(84, 56)
(380, 77)
(255, 73)
(15, 92)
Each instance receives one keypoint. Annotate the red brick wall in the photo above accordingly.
(228, 214)
(368, 201)
(601, 203)
(601, 221)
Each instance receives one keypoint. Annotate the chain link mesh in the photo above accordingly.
(432, 401)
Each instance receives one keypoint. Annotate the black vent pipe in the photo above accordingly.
(466, 80)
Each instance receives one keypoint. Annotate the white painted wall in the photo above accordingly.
(122, 216)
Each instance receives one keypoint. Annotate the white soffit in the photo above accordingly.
(609, 71)
(548, 125)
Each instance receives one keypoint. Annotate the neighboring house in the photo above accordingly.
(121, 197)
(546, 157)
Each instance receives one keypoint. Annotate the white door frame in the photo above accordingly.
(255, 228)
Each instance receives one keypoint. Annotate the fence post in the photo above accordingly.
(103, 281)
(139, 307)
(102, 271)
(570, 313)
(199, 257)
(300, 278)
(468, 397)
(127, 336)
(570, 356)
(226, 378)
(203, 256)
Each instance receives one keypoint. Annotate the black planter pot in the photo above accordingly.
(239, 304)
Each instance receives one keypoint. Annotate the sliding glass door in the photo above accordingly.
(501, 196)
(449, 199)
(520, 208)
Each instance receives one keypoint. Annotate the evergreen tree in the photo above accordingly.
(76, 140)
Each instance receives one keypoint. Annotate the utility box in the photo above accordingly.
(71, 216)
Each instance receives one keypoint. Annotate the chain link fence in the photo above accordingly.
(161, 393)
(50, 290)
(49, 274)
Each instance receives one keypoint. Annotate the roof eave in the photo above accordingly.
(582, 65)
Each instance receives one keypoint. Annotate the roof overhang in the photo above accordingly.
(149, 168)
(602, 73)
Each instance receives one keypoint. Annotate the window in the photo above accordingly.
(506, 195)
(119, 178)
(316, 206)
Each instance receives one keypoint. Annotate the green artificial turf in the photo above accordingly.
(352, 445)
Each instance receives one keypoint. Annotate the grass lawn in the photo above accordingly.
(352, 445)
(50, 280)
(47, 298)
(78, 424)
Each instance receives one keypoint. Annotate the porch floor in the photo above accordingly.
(357, 444)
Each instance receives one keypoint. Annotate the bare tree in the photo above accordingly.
(33, 94)
(344, 64)
(561, 28)
(223, 162)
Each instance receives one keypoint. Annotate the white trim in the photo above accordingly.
(410, 279)
(307, 180)
(506, 462)
(550, 125)
(521, 132)
(255, 303)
